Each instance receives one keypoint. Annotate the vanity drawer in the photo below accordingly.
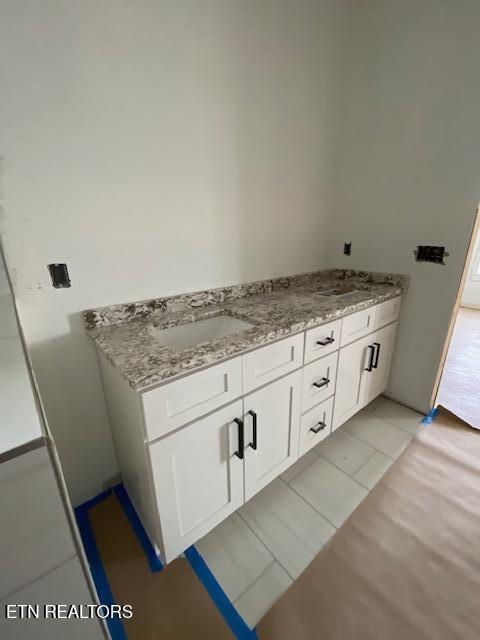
(312, 429)
(273, 361)
(358, 325)
(363, 322)
(319, 381)
(322, 340)
(173, 405)
(387, 312)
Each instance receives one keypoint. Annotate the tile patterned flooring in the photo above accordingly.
(258, 551)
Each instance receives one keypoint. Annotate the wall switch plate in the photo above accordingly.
(427, 253)
(347, 248)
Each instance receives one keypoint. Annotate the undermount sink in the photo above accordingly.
(337, 292)
(193, 333)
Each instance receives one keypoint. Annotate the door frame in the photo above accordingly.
(456, 306)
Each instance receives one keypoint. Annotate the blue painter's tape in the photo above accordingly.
(153, 560)
(430, 417)
(93, 501)
(236, 623)
(105, 595)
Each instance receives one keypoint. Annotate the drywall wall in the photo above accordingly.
(4, 288)
(407, 171)
(157, 148)
(471, 290)
(19, 419)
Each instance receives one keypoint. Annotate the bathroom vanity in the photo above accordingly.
(213, 395)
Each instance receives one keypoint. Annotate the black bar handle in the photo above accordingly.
(239, 453)
(377, 355)
(372, 352)
(324, 343)
(323, 383)
(253, 443)
(318, 427)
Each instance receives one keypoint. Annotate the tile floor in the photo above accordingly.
(258, 551)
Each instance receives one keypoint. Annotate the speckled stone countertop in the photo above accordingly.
(275, 308)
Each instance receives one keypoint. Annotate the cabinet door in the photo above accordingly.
(273, 446)
(384, 342)
(351, 379)
(198, 478)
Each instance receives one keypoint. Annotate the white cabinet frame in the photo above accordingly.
(187, 449)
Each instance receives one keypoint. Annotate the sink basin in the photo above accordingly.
(189, 335)
(337, 292)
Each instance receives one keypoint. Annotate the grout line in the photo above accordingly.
(342, 470)
(401, 429)
(267, 548)
(305, 500)
(299, 472)
(240, 629)
(363, 464)
(316, 510)
(371, 445)
(419, 424)
(256, 536)
(252, 583)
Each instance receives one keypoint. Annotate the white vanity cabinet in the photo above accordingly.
(198, 477)
(363, 370)
(272, 423)
(193, 450)
(204, 472)
(384, 343)
(351, 380)
(207, 470)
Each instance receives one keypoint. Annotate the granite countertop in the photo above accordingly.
(276, 308)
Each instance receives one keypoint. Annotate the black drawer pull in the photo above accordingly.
(253, 443)
(377, 355)
(318, 427)
(239, 453)
(324, 343)
(372, 353)
(323, 383)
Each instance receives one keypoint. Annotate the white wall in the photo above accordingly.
(471, 291)
(4, 288)
(156, 147)
(408, 163)
(19, 419)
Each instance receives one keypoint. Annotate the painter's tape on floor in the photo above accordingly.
(126, 570)
(430, 417)
(153, 560)
(99, 576)
(228, 611)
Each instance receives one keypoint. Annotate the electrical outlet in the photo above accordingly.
(427, 253)
(59, 274)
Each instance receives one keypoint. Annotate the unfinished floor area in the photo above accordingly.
(459, 390)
